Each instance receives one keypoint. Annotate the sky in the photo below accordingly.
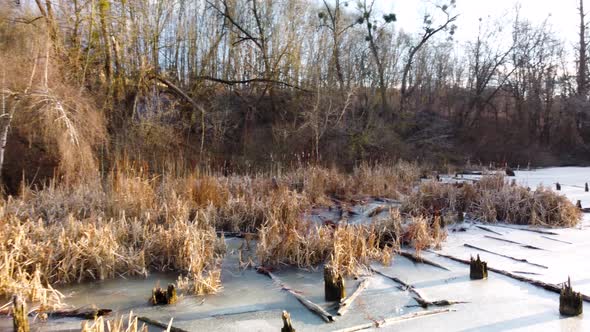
(562, 14)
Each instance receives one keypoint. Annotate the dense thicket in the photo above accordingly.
(243, 83)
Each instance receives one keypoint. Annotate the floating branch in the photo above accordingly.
(522, 260)
(393, 320)
(307, 303)
(478, 269)
(570, 302)
(415, 294)
(488, 230)
(550, 287)
(345, 304)
(287, 325)
(514, 242)
(166, 327)
(76, 313)
(526, 272)
(419, 259)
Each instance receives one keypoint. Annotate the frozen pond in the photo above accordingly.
(252, 302)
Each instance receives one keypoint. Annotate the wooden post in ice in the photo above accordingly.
(557, 186)
(570, 302)
(333, 285)
(20, 322)
(164, 296)
(579, 204)
(287, 325)
(586, 187)
(478, 269)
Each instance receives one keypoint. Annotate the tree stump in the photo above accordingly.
(287, 325)
(557, 186)
(586, 187)
(20, 322)
(164, 296)
(478, 269)
(333, 285)
(570, 302)
(579, 204)
(510, 172)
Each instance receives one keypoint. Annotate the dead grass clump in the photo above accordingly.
(120, 324)
(492, 199)
(418, 234)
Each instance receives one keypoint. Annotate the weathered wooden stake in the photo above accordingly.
(333, 285)
(478, 269)
(579, 204)
(164, 296)
(570, 302)
(557, 186)
(20, 322)
(586, 187)
(287, 325)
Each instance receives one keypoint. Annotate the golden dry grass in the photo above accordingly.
(493, 199)
(127, 323)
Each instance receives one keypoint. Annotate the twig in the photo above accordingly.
(522, 260)
(166, 327)
(528, 230)
(393, 320)
(514, 242)
(419, 259)
(345, 304)
(552, 239)
(488, 230)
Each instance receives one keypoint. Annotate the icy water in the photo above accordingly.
(252, 302)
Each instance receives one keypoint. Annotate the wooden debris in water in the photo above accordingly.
(478, 269)
(333, 284)
(487, 230)
(550, 287)
(418, 259)
(393, 320)
(164, 296)
(514, 242)
(166, 327)
(316, 309)
(345, 304)
(416, 294)
(20, 322)
(287, 325)
(570, 302)
(522, 260)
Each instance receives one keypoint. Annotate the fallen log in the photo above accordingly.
(522, 260)
(514, 242)
(393, 320)
(166, 327)
(306, 303)
(528, 230)
(415, 294)
(422, 260)
(345, 304)
(550, 287)
(488, 230)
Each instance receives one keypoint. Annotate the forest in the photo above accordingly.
(141, 137)
(243, 85)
